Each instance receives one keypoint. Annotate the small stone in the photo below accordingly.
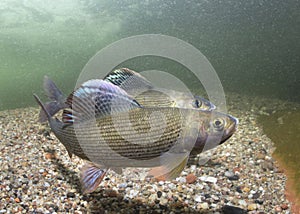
(252, 207)
(161, 183)
(243, 203)
(197, 198)
(112, 193)
(255, 195)
(246, 189)
(181, 180)
(212, 179)
(70, 194)
(234, 178)
(49, 155)
(133, 193)
(229, 174)
(159, 194)
(3, 211)
(284, 206)
(227, 209)
(278, 209)
(216, 198)
(163, 201)
(152, 197)
(239, 190)
(17, 200)
(122, 185)
(191, 178)
(204, 206)
(208, 179)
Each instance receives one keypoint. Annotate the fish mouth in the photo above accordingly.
(228, 132)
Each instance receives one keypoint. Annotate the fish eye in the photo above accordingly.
(218, 124)
(197, 103)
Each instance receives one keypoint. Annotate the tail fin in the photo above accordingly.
(52, 91)
(58, 100)
(44, 110)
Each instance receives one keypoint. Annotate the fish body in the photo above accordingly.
(104, 125)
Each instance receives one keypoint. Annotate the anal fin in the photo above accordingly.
(91, 176)
(171, 169)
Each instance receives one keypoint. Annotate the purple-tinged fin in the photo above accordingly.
(54, 94)
(97, 98)
(43, 108)
(52, 108)
(91, 176)
(52, 91)
(54, 123)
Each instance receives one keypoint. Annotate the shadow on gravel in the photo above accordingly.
(109, 201)
(66, 174)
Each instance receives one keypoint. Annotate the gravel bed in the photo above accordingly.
(240, 176)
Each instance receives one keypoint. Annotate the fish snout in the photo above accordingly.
(230, 128)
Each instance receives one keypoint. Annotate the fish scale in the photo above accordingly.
(114, 141)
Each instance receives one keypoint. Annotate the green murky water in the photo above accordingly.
(284, 129)
(251, 44)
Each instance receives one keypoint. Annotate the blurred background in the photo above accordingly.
(253, 45)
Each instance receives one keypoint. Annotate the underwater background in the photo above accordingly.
(253, 45)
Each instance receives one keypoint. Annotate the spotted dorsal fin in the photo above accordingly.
(130, 81)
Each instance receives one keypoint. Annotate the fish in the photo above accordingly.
(105, 126)
(148, 95)
(135, 85)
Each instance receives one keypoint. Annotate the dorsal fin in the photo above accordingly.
(97, 98)
(130, 81)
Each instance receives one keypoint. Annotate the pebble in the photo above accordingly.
(181, 179)
(227, 209)
(122, 185)
(229, 174)
(252, 207)
(159, 194)
(243, 203)
(204, 206)
(70, 194)
(198, 198)
(284, 206)
(234, 178)
(52, 177)
(191, 178)
(208, 179)
(278, 209)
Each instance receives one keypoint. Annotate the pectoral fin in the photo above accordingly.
(171, 169)
(91, 176)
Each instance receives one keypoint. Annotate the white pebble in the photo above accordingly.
(242, 203)
(161, 183)
(212, 179)
(197, 198)
(204, 206)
